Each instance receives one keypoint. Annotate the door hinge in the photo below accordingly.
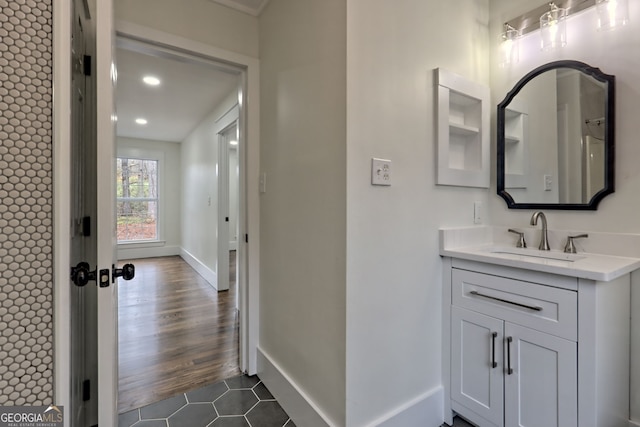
(87, 65)
(86, 390)
(86, 226)
(246, 238)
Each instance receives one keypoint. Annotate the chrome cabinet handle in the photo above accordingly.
(509, 369)
(494, 364)
(530, 307)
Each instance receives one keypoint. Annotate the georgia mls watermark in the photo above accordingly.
(31, 416)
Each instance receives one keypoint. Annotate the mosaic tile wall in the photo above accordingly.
(26, 269)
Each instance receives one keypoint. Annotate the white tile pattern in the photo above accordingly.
(26, 283)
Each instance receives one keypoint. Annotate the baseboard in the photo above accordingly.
(125, 252)
(424, 410)
(291, 397)
(207, 274)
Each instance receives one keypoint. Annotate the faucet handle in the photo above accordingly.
(521, 242)
(570, 248)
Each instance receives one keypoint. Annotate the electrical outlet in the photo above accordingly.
(547, 182)
(380, 172)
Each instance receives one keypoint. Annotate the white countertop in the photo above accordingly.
(477, 244)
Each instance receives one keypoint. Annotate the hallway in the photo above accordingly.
(176, 333)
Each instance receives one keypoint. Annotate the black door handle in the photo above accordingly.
(127, 272)
(81, 274)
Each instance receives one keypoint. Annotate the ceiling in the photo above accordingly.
(252, 7)
(188, 92)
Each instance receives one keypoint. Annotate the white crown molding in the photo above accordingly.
(234, 4)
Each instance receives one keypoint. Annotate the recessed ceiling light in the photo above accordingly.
(141, 121)
(151, 80)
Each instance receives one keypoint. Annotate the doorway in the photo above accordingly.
(228, 197)
(176, 243)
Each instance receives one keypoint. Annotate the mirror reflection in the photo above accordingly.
(555, 138)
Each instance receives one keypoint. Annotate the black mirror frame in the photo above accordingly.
(609, 173)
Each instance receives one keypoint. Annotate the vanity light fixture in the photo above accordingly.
(612, 14)
(550, 18)
(553, 28)
(141, 121)
(509, 46)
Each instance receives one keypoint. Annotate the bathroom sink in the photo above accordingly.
(489, 245)
(554, 255)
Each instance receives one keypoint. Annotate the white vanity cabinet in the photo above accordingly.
(525, 348)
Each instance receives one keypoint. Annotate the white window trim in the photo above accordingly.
(144, 154)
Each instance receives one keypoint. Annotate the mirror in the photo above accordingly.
(556, 138)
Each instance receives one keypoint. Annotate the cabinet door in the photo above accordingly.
(476, 363)
(541, 389)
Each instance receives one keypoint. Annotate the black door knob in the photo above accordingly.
(81, 274)
(127, 272)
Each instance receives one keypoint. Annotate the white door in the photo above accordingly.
(541, 390)
(476, 363)
(107, 310)
(225, 138)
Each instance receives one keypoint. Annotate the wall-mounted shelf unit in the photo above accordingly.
(463, 131)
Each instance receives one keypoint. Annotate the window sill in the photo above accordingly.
(141, 244)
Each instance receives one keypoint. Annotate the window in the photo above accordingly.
(137, 199)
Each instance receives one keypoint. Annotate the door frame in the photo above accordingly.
(249, 155)
(62, 17)
(222, 270)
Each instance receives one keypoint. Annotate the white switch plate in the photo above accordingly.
(547, 182)
(477, 212)
(263, 182)
(380, 172)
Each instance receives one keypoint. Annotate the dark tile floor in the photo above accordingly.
(237, 402)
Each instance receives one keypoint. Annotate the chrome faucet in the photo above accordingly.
(544, 241)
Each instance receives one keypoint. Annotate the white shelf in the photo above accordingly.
(511, 139)
(463, 131)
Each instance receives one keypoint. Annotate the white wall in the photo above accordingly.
(614, 53)
(199, 20)
(170, 184)
(200, 189)
(302, 221)
(394, 271)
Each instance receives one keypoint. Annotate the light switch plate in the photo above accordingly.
(477, 212)
(263, 182)
(380, 172)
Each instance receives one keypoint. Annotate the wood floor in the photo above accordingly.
(176, 333)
